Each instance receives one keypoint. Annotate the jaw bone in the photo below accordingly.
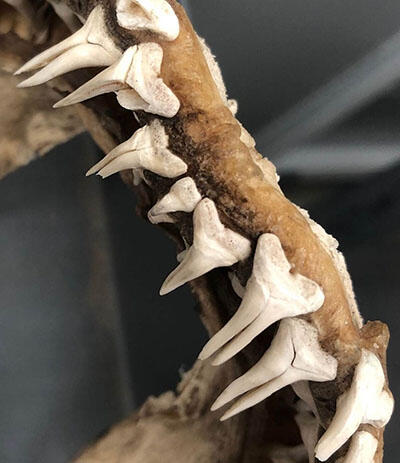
(136, 80)
(89, 46)
(183, 196)
(213, 246)
(362, 448)
(366, 402)
(294, 355)
(153, 15)
(272, 293)
(146, 149)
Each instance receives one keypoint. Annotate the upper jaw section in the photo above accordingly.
(88, 47)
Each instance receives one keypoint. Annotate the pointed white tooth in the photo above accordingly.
(272, 293)
(236, 285)
(89, 46)
(365, 402)
(308, 362)
(183, 196)
(146, 149)
(110, 80)
(309, 427)
(214, 246)
(362, 448)
(154, 15)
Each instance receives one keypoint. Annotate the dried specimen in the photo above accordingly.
(196, 167)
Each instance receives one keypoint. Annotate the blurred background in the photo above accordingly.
(84, 336)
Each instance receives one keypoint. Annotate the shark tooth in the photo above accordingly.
(365, 402)
(89, 46)
(135, 79)
(183, 196)
(272, 293)
(146, 149)
(309, 428)
(153, 15)
(294, 355)
(362, 448)
(213, 246)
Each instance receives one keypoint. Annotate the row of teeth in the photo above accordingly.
(272, 294)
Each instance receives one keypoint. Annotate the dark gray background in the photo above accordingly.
(84, 336)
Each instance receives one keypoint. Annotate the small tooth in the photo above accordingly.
(89, 46)
(309, 427)
(146, 149)
(303, 391)
(236, 285)
(362, 448)
(183, 196)
(154, 15)
(214, 246)
(272, 293)
(364, 402)
(301, 358)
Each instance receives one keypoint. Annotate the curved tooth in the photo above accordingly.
(362, 448)
(183, 196)
(89, 46)
(272, 293)
(236, 285)
(365, 402)
(294, 355)
(135, 79)
(214, 246)
(309, 427)
(146, 149)
(154, 15)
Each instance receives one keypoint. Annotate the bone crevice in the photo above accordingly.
(214, 245)
(366, 402)
(88, 47)
(294, 355)
(146, 149)
(272, 293)
(152, 15)
(182, 197)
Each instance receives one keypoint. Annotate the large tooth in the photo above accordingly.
(362, 448)
(136, 81)
(154, 15)
(146, 149)
(294, 355)
(89, 46)
(272, 293)
(183, 196)
(365, 402)
(213, 246)
(309, 427)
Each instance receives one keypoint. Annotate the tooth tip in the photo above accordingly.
(23, 84)
(59, 104)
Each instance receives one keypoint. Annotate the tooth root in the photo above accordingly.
(354, 406)
(213, 246)
(272, 293)
(183, 196)
(362, 448)
(154, 15)
(309, 428)
(303, 360)
(146, 149)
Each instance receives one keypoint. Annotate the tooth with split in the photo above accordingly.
(153, 15)
(89, 46)
(136, 80)
(294, 355)
(272, 293)
(183, 196)
(146, 149)
(213, 246)
(362, 448)
(366, 402)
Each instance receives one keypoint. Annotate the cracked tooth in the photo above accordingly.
(183, 196)
(365, 402)
(214, 246)
(154, 15)
(146, 149)
(89, 46)
(272, 293)
(294, 355)
(362, 448)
